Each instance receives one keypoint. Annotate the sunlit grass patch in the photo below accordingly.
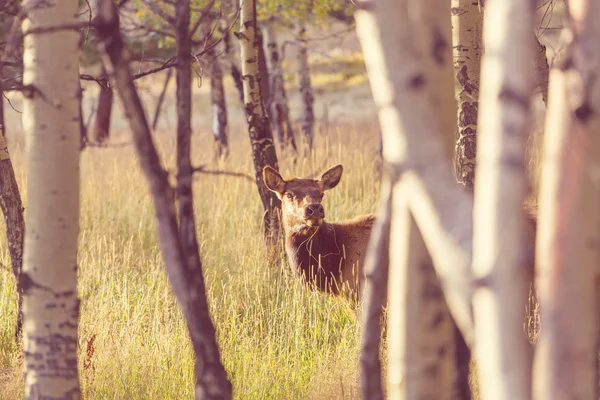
(278, 339)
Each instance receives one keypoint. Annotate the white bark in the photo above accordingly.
(51, 123)
(441, 208)
(431, 214)
(467, 23)
(502, 352)
(259, 127)
(567, 258)
(435, 31)
(420, 328)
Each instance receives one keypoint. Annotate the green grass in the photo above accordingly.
(277, 339)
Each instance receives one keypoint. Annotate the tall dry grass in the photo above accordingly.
(277, 339)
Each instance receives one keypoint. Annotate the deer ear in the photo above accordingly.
(331, 177)
(273, 181)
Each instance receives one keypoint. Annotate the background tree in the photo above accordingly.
(217, 97)
(12, 209)
(278, 101)
(51, 122)
(101, 128)
(307, 119)
(259, 127)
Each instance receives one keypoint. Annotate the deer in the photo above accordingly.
(329, 256)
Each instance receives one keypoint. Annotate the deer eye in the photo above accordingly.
(289, 196)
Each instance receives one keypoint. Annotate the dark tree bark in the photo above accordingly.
(12, 209)
(259, 127)
(305, 88)
(278, 102)
(375, 296)
(183, 267)
(101, 130)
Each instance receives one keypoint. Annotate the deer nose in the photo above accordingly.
(314, 211)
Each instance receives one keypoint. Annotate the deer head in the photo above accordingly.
(301, 198)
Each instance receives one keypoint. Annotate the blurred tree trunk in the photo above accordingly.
(567, 259)
(435, 30)
(224, 25)
(307, 118)
(49, 276)
(503, 353)
(467, 22)
(183, 268)
(101, 130)
(218, 104)
(12, 209)
(278, 102)
(421, 331)
(259, 127)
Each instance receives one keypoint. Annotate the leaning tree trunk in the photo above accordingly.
(218, 105)
(420, 328)
(467, 22)
(307, 119)
(12, 209)
(278, 102)
(567, 259)
(101, 130)
(183, 268)
(259, 127)
(503, 353)
(49, 276)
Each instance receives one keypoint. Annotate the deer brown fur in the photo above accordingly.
(328, 255)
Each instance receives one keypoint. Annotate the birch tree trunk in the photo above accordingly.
(433, 22)
(12, 209)
(184, 269)
(278, 102)
(101, 130)
(259, 127)
(502, 351)
(566, 359)
(51, 123)
(218, 105)
(420, 328)
(307, 119)
(467, 22)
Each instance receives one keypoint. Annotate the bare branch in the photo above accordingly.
(158, 11)
(47, 29)
(203, 14)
